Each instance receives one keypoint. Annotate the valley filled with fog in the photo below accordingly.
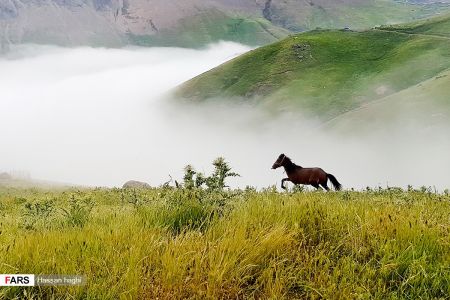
(100, 117)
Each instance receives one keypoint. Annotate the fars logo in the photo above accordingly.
(16, 280)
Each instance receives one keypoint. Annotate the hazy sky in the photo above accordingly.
(98, 117)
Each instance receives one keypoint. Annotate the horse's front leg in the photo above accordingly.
(282, 183)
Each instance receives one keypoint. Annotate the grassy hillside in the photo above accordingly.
(326, 73)
(174, 243)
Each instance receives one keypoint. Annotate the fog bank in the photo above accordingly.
(99, 117)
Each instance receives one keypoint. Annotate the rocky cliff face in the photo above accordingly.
(71, 22)
(119, 22)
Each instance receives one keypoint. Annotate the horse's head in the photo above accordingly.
(279, 162)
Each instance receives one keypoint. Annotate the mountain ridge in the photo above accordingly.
(115, 23)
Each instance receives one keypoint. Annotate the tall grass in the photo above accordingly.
(171, 243)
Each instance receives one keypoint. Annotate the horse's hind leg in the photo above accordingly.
(325, 186)
(282, 183)
(317, 186)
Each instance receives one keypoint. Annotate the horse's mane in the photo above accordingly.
(291, 163)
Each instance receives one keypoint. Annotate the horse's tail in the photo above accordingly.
(336, 184)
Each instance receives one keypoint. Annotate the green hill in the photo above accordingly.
(327, 72)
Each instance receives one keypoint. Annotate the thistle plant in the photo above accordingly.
(188, 179)
(214, 182)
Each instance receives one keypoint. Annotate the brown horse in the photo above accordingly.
(308, 176)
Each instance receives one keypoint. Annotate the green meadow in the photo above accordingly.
(173, 243)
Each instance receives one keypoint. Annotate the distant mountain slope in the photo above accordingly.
(32, 183)
(192, 23)
(213, 26)
(427, 103)
(438, 26)
(326, 73)
(119, 22)
(358, 14)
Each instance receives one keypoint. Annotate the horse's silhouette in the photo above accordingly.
(309, 176)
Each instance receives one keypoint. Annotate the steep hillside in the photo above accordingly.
(192, 23)
(326, 73)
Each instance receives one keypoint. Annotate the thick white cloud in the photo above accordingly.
(93, 116)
